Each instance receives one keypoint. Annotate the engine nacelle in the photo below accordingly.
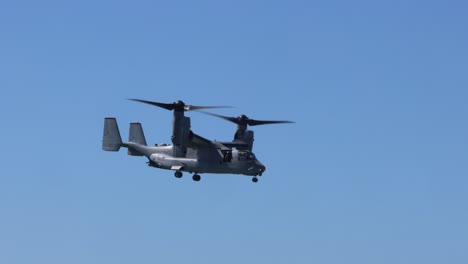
(181, 131)
(246, 136)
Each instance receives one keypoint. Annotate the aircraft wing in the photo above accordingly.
(199, 141)
(231, 144)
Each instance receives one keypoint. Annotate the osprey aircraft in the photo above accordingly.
(190, 152)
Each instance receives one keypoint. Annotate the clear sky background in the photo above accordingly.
(375, 170)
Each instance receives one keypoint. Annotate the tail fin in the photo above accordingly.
(111, 138)
(136, 135)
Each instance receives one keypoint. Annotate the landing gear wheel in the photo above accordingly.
(178, 174)
(196, 177)
(254, 179)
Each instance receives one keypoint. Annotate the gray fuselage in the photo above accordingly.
(201, 160)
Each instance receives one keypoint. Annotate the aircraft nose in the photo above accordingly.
(260, 166)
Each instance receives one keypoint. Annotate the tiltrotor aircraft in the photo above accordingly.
(190, 152)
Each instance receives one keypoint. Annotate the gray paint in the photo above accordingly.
(201, 155)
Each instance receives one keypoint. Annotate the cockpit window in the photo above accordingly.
(246, 156)
(241, 156)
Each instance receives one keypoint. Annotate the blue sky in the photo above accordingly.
(374, 170)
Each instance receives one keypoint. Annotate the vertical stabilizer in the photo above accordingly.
(137, 136)
(111, 140)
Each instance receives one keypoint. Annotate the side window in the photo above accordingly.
(228, 156)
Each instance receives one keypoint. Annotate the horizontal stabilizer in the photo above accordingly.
(111, 140)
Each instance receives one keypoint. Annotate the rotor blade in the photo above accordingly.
(195, 107)
(231, 119)
(162, 105)
(178, 106)
(244, 120)
(253, 122)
